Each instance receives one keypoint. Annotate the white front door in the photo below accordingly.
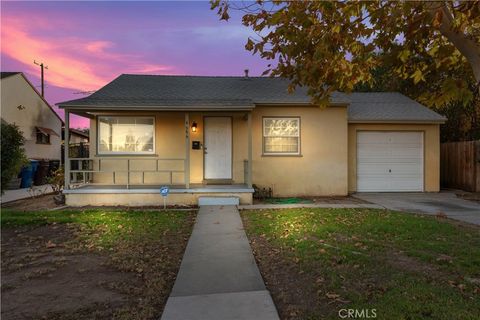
(389, 161)
(218, 147)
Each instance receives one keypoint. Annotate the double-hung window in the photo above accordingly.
(126, 135)
(281, 136)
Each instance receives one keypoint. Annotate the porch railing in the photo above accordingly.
(85, 169)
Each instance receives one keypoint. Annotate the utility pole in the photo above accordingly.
(41, 68)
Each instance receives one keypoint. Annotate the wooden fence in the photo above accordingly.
(460, 165)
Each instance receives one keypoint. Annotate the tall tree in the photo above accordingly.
(329, 46)
(463, 119)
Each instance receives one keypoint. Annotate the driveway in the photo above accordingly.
(444, 202)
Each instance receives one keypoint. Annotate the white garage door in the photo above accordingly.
(389, 161)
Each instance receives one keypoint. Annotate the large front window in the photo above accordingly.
(126, 135)
(281, 136)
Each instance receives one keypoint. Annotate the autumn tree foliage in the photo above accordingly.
(328, 46)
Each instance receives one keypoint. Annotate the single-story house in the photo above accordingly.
(220, 136)
(76, 136)
(24, 106)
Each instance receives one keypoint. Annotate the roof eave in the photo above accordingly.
(157, 108)
(400, 121)
(330, 104)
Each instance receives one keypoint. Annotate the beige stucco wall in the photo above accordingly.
(321, 169)
(146, 199)
(15, 91)
(431, 150)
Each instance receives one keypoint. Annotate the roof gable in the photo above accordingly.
(8, 74)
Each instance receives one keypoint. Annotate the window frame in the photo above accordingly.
(48, 137)
(280, 154)
(123, 153)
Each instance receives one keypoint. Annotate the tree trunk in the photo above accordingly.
(467, 46)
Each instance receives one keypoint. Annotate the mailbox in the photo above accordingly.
(196, 145)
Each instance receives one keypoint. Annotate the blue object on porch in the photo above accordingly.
(27, 174)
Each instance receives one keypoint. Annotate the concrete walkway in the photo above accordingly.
(218, 277)
(444, 202)
(18, 194)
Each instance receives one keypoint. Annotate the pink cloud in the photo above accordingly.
(98, 46)
(73, 62)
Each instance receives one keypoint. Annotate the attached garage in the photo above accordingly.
(393, 144)
(389, 161)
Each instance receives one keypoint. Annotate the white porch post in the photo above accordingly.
(66, 149)
(249, 173)
(186, 171)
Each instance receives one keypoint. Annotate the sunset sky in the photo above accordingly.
(87, 44)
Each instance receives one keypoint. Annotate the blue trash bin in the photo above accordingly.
(35, 164)
(27, 174)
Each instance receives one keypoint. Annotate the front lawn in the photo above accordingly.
(90, 264)
(317, 262)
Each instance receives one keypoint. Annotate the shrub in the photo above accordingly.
(12, 154)
(57, 180)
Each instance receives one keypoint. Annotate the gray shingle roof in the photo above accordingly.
(388, 106)
(202, 92)
(149, 90)
(7, 74)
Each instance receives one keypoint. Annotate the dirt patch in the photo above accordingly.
(39, 203)
(294, 292)
(403, 262)
(49, 273)
(42, 276)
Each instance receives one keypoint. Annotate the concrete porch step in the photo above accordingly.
(218, 201)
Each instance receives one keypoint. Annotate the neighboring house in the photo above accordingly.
(220, 135)
(76, 136)
(23, 105)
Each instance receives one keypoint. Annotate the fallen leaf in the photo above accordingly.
(444, 258)
(332, 295)
(50, 244)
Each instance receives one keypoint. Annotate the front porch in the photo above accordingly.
(143, 195)
(135, 179)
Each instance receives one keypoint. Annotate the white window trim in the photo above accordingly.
(117, 153)
(298, 153)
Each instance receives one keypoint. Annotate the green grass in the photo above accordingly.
(104, 227)
(405, 266)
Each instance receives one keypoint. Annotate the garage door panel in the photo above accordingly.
(389, 161)
(373, 153)
(406, 184)
(372, 183)
(408, 169)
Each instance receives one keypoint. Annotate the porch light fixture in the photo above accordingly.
(194, 126)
